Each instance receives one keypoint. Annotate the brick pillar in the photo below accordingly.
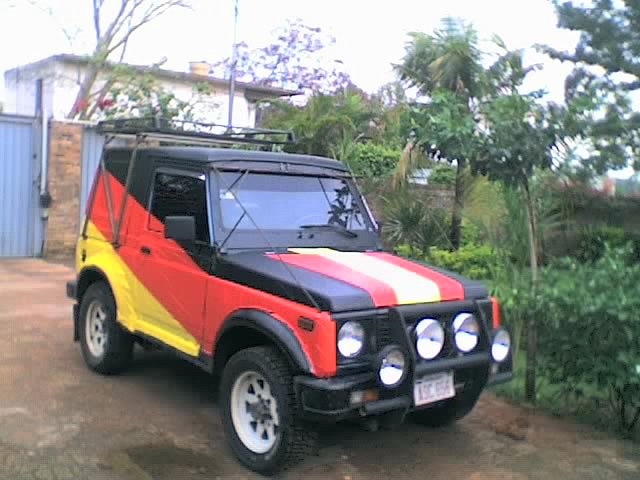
(65, 145)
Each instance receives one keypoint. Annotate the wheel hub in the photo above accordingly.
(96, 331)
(254, 412)
(260, 410)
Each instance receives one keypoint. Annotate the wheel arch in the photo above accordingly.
(87, 277)
(246, 328)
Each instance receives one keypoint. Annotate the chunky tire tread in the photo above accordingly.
(119, 349)
(298, 440)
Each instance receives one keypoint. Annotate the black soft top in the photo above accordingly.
(220, 157)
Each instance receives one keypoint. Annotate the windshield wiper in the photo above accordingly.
(329, 226)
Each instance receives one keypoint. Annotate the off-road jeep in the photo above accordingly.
(266, 269)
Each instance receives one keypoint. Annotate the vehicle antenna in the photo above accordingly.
(234, 62)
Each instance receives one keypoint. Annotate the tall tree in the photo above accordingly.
(298, 58)
(114, 23)
(449, 59)
(605, 79)
(519, 137)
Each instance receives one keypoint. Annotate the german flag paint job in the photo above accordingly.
(389, 280)
(125, 284)
(182, 295)
(449, 288)
(382, 294)
(172, 298)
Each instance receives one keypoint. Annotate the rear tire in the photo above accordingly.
(260, 413)
(107, 348)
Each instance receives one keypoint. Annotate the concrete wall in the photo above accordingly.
(20, 89)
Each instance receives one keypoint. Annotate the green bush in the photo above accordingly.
(511, 285)
(589, 333)
(592, 240)
(409, 221)
(373, 160)
(470, 233)
(472, 261)
(443, 175)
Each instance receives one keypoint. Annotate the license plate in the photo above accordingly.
(432, 388)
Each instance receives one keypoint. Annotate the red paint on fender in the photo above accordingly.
(495, 312)
(380, 292)
(225, 297)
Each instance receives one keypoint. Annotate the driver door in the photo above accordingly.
(172, 292)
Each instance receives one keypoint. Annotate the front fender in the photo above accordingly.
(277, 331)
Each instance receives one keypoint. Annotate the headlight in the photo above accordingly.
(429, 338)
(350, 339)
(392, 367)
(501, 345)
(466, 332)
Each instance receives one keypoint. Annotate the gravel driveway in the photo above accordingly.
(160, 420)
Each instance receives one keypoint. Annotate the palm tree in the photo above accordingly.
(449, 59)
(319, 125)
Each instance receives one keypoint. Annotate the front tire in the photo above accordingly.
(106, 347)
(259, 411)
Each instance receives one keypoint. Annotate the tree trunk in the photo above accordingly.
(79, 107)
(530, 377)
(458, 206)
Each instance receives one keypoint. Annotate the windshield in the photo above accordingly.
(288, 202)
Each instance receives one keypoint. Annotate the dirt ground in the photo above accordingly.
(160, 421)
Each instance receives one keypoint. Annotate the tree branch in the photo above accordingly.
(108, 36)
(61, 25)
(151, 13)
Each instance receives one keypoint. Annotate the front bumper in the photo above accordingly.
(329, 399)
(72, 289)
(72, 293)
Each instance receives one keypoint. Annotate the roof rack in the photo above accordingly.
(185, 132)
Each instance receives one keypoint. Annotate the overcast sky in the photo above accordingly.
(370, 34)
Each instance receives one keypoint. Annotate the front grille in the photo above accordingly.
(444, 312)
(382, 328)
(383, 333)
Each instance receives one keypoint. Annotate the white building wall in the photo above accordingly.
(62, 82)
(20, 86)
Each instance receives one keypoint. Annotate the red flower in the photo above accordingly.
(80, 106)
(105, 103)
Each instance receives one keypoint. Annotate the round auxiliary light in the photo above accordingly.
(429, 338)
(393, 367)
(501, 345)
(466, 332)
(350, 339)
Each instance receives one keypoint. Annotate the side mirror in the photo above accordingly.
(180, 228)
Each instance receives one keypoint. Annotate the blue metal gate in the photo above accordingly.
(20, 225)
